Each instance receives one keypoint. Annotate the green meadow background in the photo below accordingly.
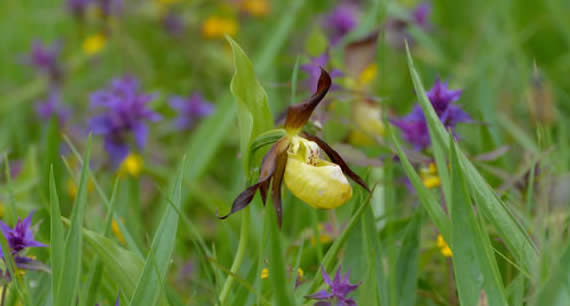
(503, 204)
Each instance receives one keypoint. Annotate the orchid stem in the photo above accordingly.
(239, 256)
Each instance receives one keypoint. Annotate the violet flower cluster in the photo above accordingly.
(397, 28)
(414, 125)
(339, 287)
(341, 21)
(19, 239)
(126, 114)
(45, 59)
(190, 109)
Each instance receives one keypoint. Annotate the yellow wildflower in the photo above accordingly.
(324, 237)
(264, 273)
(255, 7)
(1, 209)
(217, 27)
(132, 165)
(71, 188)
(443, 247)
(368, 74)
(429, 176)
(117, 231)
(94, 44)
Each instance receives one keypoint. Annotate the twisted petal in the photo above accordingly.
(320, 295)
(299, 114)
(268, 166)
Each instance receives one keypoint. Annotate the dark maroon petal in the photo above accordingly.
(263, 191)
(299, 114)
(268, 166)
(242, 200)
(276, 186)
(337, 159)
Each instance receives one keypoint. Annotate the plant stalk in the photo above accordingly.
(243, 239)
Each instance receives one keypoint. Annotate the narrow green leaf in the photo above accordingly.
(407, 262)
(56, 244)
(474, 263)
(425, 196)
(556, 290)
(254, 115)
(516, 237)
(276, 261)
(330, 256)
(150, 283)
(70, 277)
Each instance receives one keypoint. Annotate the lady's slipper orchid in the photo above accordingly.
(296, 159)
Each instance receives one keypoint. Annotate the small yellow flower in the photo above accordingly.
(324, 237)
(71, 188)
(300, 273)
(264, 273)
(443, 247)
(132, 165)
(1, 209)
(429, 176)
(368, 74)
(117, 231)
(317, 182)
(217, 27)
(256, 7)
(94, 44)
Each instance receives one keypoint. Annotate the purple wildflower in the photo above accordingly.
(339, 22)
(173, 24)
(52, 106)
(340, 287)
(110, 7)
(414, 125)
(421, 15)
(397, 28)
(126, 113)
(78, 7)
(21, 236)
(313, 69)
(190, 109)
(45, 59)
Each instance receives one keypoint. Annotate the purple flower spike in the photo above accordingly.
(173, 24)
(110, 7)
(313, 69)
(78, 7)
(52, 106)
(340, 287)
(339, 22)
(440, 97)
(45, 59)
(421, 15)
(21, 236)
(414, 125)
(190, 109)
(126, 113)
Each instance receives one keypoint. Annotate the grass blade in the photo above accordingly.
(474, 263)
(149, 285)
(68, 285)
(509, 229)
(57, 254)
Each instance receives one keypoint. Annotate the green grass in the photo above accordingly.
(505, 218)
